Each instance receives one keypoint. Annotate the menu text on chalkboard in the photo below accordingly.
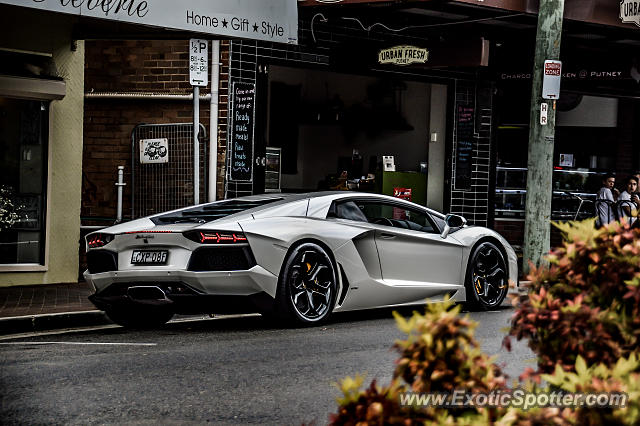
(242, 128)
(464, 146)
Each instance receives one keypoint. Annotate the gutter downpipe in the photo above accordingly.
(213, 119)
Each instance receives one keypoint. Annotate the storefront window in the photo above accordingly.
(23, 144)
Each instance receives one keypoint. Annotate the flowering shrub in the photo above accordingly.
(440, 354)
(622, 377)
(9, 210)
(587, 303)
(581, 317)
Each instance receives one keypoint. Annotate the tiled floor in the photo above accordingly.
(44, 299)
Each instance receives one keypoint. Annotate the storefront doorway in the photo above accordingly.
(336, 131)
(24, 129)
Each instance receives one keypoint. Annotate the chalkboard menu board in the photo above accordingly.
(243, 96)
(464, 146)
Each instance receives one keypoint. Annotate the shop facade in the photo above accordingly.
(331, 112)
(41, 119)
(596, 123)
(45, 183)
(473, 116)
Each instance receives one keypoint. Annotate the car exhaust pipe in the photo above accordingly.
(148, 294)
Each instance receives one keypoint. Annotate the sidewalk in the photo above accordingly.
(47, 307)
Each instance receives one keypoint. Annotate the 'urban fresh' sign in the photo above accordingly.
(403, 55)
(630, 11)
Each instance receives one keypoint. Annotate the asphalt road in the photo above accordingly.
(222, 371)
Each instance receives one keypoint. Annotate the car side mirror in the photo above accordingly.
(452, 221)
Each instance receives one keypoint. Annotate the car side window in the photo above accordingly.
(397, 216)
(440, 223)
(349, 210)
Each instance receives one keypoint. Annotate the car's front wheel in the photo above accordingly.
(487, 279)
(307, 287)
(140, 317)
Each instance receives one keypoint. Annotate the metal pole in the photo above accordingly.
(196, 147)
(537, 231)
(120, 184)
(213, 120)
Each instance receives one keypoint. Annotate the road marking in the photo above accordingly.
(80, 343)
(56, 332)
(111, 326)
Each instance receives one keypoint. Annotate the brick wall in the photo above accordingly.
(158, 66)
(137, 66)
(473, 203)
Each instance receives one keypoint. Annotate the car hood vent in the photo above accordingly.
(210, 212)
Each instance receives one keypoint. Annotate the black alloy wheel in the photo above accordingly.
(139, 317)
(307, 287)
(487, 279)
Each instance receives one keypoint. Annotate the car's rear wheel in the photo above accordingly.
(140, 317)
(487, 279)
(307, 287)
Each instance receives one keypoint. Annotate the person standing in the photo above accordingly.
(628, 201)
(605, 200)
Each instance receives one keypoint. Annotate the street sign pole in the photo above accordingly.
(196, 145)
(542, 123)
(198, 76)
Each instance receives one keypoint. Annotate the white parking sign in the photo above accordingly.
(198, 62)
(551, 79)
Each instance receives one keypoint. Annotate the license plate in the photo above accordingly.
(149, 257)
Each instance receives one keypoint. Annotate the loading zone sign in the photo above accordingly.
(154, 151)
(551, 79)
(198, 62)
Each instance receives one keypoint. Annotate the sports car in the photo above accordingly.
(295, 257)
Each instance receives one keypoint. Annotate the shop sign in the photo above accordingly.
(273, 20)
(403, 55)
(399, 213)
(243, 99)
(583, 74)
(566, 160)
(551, 79)
(154, 151)
(465, 131)
(630, 11)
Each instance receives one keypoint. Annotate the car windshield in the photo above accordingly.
(210, 212)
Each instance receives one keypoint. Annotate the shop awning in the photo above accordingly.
(273, 20)
(32, 88)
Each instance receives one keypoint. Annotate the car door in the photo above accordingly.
(410, 247)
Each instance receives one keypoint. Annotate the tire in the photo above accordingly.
(139, 317)
(487, 279)
(307, 287)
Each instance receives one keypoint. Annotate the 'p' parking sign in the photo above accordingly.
(198, 62)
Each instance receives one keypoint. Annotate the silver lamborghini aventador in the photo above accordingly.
(295, 257)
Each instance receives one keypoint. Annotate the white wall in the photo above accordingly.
(320, 145)
(437, 157)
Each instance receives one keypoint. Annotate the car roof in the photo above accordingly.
(235, 208)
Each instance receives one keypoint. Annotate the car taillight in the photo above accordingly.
(98, 240)
(216, 237)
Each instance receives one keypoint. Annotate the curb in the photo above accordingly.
(48, 322)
